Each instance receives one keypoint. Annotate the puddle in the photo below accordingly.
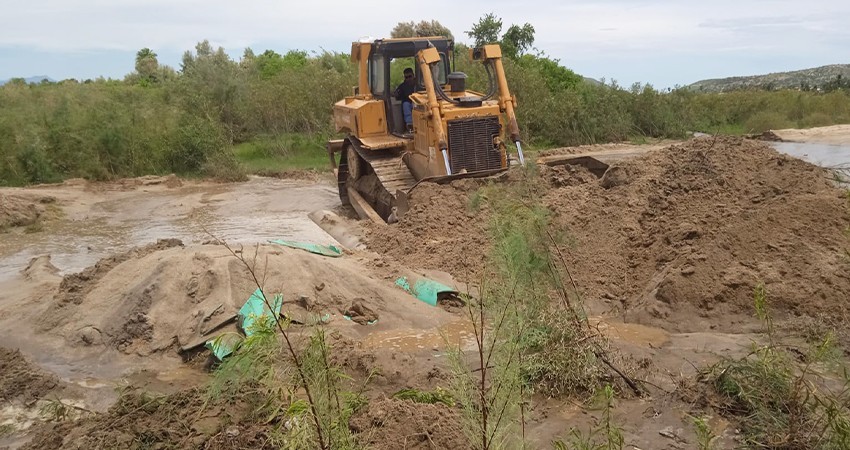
(451, 335)
(824, 155)
(105, 223)
(634, 333)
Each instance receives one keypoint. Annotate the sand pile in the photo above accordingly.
(444, 230)
(689, 232)
(18, 210)
(164, 296)
(678, 238)
(21, 380)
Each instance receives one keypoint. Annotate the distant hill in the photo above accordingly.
(811, 78)
(35, 79)
(592, 81)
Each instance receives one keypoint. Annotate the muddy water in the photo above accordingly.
(102, 223)
(456, 334)
(823, 155)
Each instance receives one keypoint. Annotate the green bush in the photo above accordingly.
(766, 120)
(190, 121)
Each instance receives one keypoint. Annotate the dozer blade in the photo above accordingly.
(596, 161)
(459, 176)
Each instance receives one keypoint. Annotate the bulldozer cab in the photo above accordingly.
(387, 61)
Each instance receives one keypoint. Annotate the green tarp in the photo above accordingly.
(326, 250)
(424, 289)
(223, 345)
(256, 307)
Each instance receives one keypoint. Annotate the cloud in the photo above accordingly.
(743, 23)
(586, 33)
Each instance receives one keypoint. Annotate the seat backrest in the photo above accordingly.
(397, 116)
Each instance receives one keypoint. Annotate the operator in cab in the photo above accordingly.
(402, 94)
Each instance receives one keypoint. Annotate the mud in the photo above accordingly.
(443, 230)
(22, 381)
(137, 420)
(163, 297)
(18, 210)
(677, 238)
(97, 220)
(396, 424)
(699, 225)
(831, 135)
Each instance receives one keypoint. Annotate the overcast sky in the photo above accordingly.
(663, 42)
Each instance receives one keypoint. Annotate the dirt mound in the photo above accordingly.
(165, 296)
(679, 237)
(694, 228)
(139, 420)
(188, 419)
(75, 287)
(395, 424)
(20, 380)
(18, 210)
(442, 230)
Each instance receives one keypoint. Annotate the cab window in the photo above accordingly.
(397, 66)
(377, 75)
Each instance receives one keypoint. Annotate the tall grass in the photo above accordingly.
(784, 399)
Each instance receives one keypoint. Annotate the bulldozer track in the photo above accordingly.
(387, 165)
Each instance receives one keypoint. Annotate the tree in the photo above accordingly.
(404, 30)
(214, 87)
(422, 29)
(515, 42)
(486, 30)
(269, 64)
(147, 65)
(518, 40)
(248, 60)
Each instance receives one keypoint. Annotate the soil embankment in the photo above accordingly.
(678, 238)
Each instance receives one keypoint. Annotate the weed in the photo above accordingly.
(415, 395)
(490, 395)
(474, 203)
(56, 410)
(605, 435)
(6, 429)
(523, 339)
(550, 368)
(782, 404)
(253, 363)
(762, 310)
(321, 419)
(705, 435)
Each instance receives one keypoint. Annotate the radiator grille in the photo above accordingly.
(471, 144)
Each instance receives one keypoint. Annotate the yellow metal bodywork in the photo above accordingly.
(365, 117)
(361, 117)
(360, 55)
(425, 159)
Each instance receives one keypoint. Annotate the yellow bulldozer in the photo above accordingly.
(452, 132)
